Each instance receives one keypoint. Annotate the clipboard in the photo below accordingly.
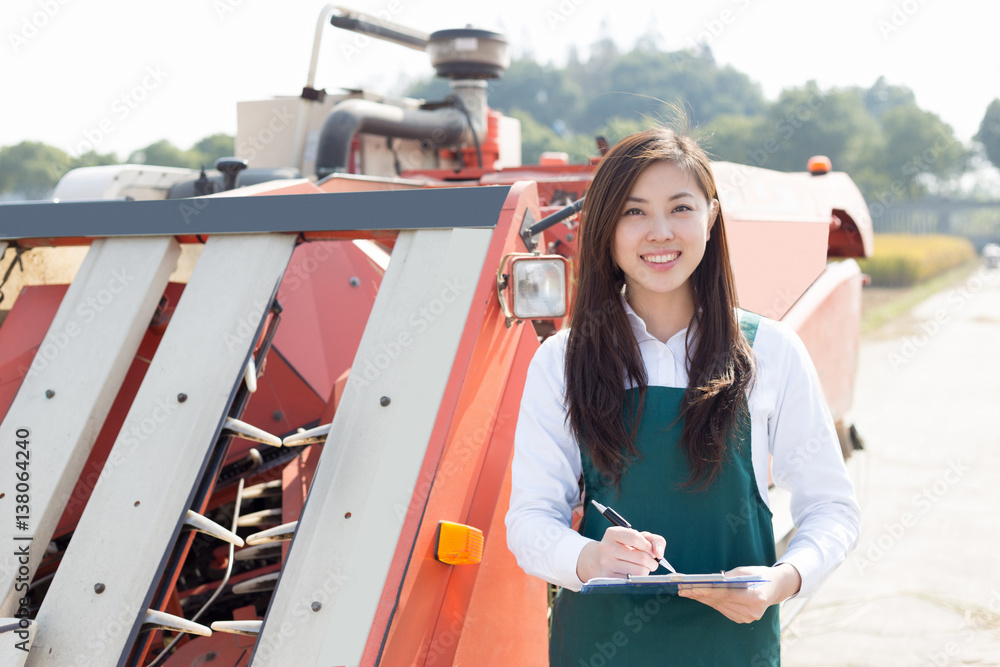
(668, 583)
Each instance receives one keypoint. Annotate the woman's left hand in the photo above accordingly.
(746, 605)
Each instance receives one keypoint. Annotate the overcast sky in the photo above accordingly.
(125, 73)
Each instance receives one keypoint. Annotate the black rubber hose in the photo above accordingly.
(442, 127)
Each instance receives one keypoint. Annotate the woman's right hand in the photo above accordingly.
(622, 551)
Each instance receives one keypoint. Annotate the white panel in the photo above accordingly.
(373, 455)
(142, 495)
(15, 640)
(116, 180)
(82, 361)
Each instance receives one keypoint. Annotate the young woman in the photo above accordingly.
(663, 400)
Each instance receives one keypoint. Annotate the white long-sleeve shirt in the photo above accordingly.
(789, 420)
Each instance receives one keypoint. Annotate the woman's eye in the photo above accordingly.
(683, 208)
(633, 211)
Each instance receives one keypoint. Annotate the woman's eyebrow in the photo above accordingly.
(640, 200)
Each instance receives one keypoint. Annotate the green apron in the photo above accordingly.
(724, 526)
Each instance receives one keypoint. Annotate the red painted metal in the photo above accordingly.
(828, 320)
(431, 613)
(479, 372)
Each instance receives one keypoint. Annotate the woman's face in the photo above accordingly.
(662, 231)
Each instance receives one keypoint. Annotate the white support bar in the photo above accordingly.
(264, 582)
(250, 628)
(282, 533)
(68, 390)
(161, 620)
(351, 523)
(250, 376)
(259, 552)
(103, 586)
(310, 437)
(251, 432)
(203, 524)
(266, 517)
(16, 639)
(270, 489)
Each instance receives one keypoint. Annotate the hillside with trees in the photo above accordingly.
(31, 169)
(893, 149)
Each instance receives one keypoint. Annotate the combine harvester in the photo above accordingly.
(297, 453)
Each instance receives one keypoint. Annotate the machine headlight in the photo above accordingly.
(537, 287)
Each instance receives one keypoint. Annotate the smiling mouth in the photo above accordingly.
(661, 259)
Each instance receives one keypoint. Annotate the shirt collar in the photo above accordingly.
(642, 334)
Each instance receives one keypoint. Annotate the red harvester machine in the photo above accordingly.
(297, 451)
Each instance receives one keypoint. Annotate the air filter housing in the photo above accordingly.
(468, 53)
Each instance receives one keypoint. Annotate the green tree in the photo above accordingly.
(989, 132)
(883, 96)
(32, 168)
(640, 83)
(543, 92)
(734, 138)
(94, 159)
(212, 147)
(808, 121)
(204, 153)
(536, 138)
(919, 149)
(164, 154)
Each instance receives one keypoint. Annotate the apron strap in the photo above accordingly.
(748, 324)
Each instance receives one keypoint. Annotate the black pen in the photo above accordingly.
(618, 520)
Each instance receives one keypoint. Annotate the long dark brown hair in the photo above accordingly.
(603, 357)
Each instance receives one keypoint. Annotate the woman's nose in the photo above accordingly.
(659, 228)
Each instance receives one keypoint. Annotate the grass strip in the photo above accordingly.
(908, 297)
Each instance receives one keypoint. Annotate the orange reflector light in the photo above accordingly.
(819, 164)
(459, 544)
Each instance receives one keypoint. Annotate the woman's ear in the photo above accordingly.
(713, 214)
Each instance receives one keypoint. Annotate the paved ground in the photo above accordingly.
(923, 586)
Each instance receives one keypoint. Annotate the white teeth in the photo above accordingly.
(661, 259)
